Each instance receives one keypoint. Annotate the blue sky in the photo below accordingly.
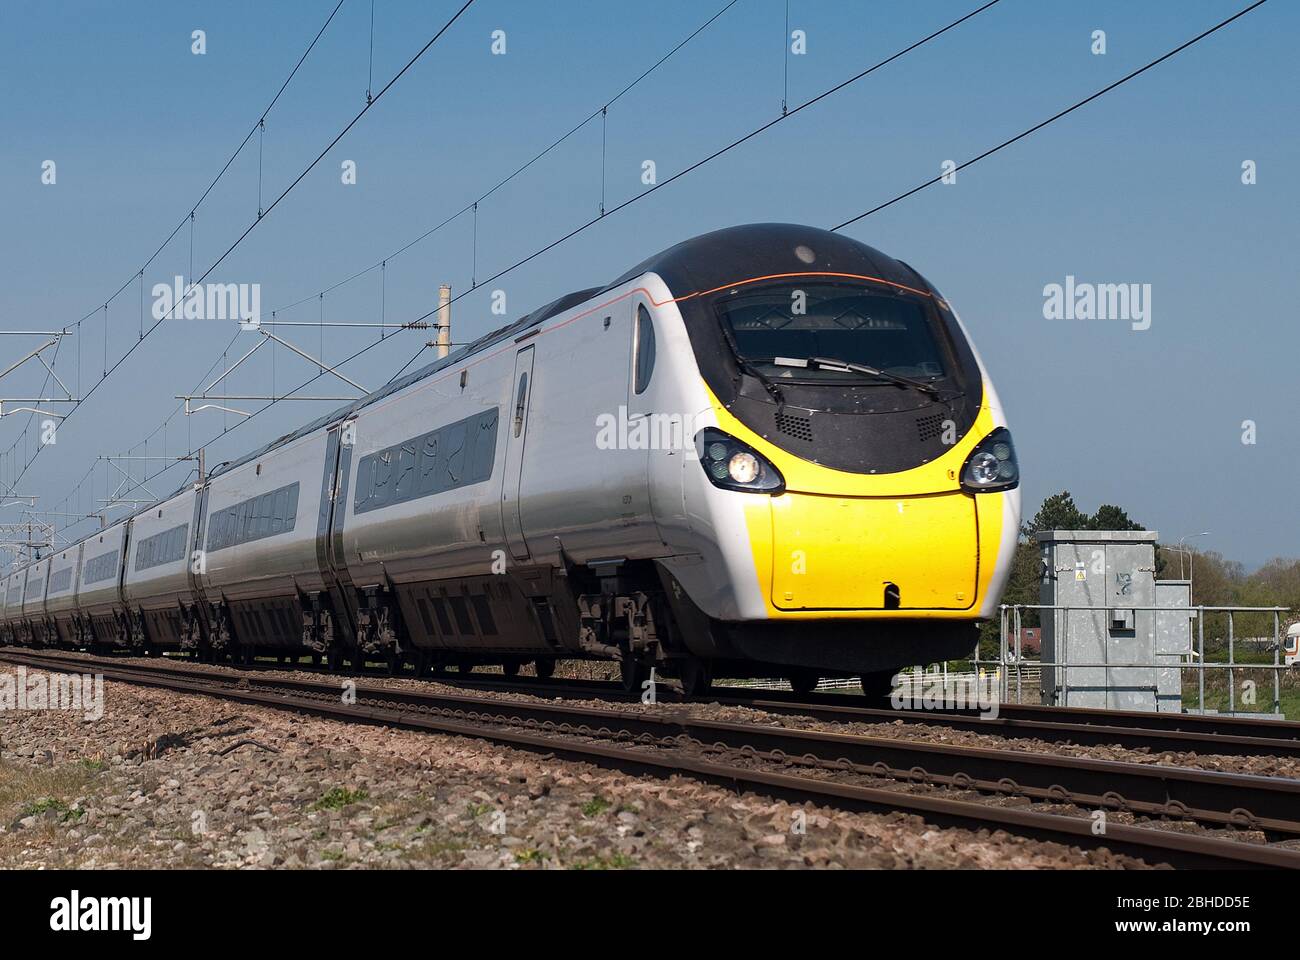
(1142, 186)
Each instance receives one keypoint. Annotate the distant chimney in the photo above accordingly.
(444, 320)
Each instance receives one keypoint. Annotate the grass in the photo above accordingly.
(338, 797)
(38, 807)
(615, 861)
(1216, 688)
(27, 791)
(595, 806)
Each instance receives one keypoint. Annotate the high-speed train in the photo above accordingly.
(768, 450)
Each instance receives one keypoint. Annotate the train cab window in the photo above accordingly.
(779, 327)
(644, 362)
(520, 400)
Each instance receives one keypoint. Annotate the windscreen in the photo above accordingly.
(851, 323)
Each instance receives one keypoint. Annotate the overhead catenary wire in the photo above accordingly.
(1054, 117)
(472, 206)
(161, 427)
(189, 216)
(252, 226)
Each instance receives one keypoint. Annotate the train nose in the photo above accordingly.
(874, 553)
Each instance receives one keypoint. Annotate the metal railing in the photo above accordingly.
(1012, 663)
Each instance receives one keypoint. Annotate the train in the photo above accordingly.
(769, 450)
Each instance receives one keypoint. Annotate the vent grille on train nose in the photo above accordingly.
(795, 426)
(927, 428)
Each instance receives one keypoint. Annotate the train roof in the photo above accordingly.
(724, 256)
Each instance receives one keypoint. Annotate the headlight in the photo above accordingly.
(733, 465)
(992, 464)
(744, 468)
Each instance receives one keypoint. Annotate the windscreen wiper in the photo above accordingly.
(830, 363)
(747, 366)
(763, 379)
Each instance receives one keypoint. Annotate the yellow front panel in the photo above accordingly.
(839, 553)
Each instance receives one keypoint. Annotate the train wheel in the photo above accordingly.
(510, 668)
(333, 659)
(394, 663)
(803, 682)
(545, 668)
(466, 669)
(878, 686)
(358, 662)
(633, 674)
(697, 677)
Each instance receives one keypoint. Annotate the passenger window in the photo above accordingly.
(519, 403)
(365, 483)
(405, 486)
(281, 506)
(428, 463)
(454, 439)
(263, 515)
(382, 494)
(645, 349)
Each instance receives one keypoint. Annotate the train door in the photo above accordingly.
(335, 484)
(654, 438)
(517, 431)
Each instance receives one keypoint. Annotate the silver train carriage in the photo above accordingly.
(766, 450)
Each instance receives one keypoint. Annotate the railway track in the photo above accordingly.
(1158, 732)
(943, 783)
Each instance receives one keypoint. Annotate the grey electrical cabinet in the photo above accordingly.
(1174, 622)
(1098, 582)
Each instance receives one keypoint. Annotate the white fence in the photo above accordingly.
(907, 682)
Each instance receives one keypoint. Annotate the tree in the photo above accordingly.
(1111, 517)
(1058, 512)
